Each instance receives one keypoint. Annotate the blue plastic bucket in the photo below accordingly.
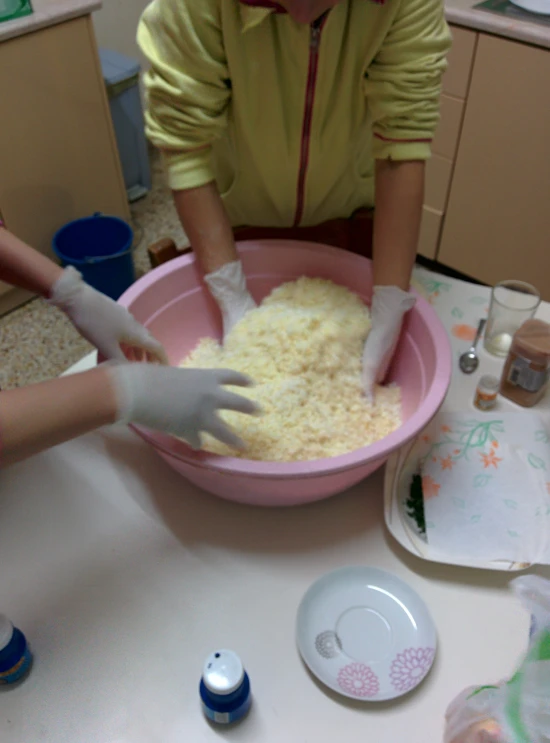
(100, 247)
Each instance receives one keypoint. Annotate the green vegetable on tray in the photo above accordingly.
(415, 504)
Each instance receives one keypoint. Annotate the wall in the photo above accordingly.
(116, 24)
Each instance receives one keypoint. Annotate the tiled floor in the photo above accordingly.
(37, 341)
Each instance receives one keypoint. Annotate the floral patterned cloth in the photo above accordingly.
(486, 485)
(459, 304)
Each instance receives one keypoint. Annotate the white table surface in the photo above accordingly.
(124, 577)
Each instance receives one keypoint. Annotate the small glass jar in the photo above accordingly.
(485, 397)
(525, 374)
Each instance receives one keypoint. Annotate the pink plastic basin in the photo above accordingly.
(174, 304)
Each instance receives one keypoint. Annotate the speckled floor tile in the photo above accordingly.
(37, 342)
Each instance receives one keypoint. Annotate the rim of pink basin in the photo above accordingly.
(381, 449)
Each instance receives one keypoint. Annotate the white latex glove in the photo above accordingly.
(99, 319)
(181, 402)
(228, 287)
(389, 304)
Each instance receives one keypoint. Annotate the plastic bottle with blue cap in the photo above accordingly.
(225, 688)
(15, 655)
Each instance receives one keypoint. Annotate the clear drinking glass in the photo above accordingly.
(512, 302)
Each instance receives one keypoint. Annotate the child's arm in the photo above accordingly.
(99, 319)
(47, 414)
(24, 267)
(182, 402)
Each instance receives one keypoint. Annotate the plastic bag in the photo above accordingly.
(516, 710)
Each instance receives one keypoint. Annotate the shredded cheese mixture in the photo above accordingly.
(303, 348)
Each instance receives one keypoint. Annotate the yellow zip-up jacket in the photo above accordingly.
(288, 118)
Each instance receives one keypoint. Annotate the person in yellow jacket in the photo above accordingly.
(293, 114)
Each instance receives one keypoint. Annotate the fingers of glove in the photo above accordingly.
(234, 378)
(132, 353)
(152, 351)
(221, 431)
(140, 354)
(373, 359)
(193, 438)
(374, 371)
(140, 338)
(230, 318)
(386, 359)
(230, 401)
(383, 366)
(156, 358)
(110, 349)
(368, 377)
(379, 349)
(228, 323)
(155, 350)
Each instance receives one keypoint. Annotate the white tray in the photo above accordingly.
(399, 471)
(541, 7)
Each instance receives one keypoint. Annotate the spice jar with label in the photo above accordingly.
(485, 397)
(525, 374)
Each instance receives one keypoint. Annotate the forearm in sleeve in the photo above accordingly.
(206, 224)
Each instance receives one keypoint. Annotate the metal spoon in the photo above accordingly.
(469, 360)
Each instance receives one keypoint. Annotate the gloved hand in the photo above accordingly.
(99, 319)
(389, 304)
(228, 287)
(182, 402)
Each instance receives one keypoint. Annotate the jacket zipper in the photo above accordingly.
(314, 42)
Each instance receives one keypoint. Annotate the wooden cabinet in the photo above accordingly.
(460, 59)
(497, 222)
(440, 167)
(448, 131)
(58, 154)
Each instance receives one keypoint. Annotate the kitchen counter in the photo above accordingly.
(47, 13)
(459, 12)
(124, 577)
(462, 13)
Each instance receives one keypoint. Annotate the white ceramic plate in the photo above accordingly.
(365, 634)
(542, 7)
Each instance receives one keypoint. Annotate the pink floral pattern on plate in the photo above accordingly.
(358, 680)
(410, 667)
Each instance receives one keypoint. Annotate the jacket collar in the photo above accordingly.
(253, 12)
(273, 7)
